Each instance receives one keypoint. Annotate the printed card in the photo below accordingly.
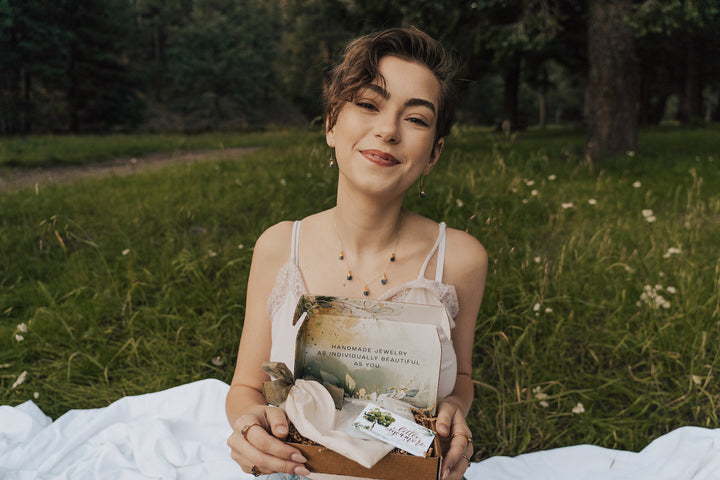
(394, 429)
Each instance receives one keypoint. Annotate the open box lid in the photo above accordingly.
(371, 348)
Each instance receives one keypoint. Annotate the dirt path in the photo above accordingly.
(12, 179)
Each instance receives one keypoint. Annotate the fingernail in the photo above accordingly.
(301, 471)
(282, 430)
(446, 473)
(296, 457)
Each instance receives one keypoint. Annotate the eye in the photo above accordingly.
(418, 121)
(365, 105)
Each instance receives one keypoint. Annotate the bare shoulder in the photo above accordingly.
(273, 245)
(465, 257)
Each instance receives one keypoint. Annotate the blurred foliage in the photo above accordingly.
(198, 65)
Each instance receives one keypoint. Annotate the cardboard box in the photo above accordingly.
(372, 349)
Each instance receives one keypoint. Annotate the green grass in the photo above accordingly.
(134, 284)
(47, 150)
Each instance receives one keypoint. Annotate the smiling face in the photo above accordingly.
(384, 138)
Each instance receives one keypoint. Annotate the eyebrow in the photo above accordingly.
(411, 102)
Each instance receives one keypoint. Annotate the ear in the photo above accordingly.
(435, 155)
(330, 135)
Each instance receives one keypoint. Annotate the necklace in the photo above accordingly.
(383, 276)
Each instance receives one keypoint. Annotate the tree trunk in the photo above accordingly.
(511, 79)
(542, 107)
(692, 107)
(612, 90)
(644, 98)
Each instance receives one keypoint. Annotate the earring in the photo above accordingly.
(422, 186)
(332, 160)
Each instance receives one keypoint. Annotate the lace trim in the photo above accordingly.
(289, 283)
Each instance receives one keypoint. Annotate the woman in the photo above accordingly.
(387, 110)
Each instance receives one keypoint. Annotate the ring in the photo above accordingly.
(466, 458)
(254, 470)
(469, 439)
(244, 431)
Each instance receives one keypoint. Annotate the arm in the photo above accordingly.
(466, 269)
(258, 429)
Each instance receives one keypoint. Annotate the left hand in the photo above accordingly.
(452, 426)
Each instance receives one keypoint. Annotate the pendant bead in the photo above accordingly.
(366, 292)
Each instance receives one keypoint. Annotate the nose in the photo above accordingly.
(387, 129)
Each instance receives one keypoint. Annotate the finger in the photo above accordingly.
(266, 453)
(277, 421)
(456, 462)
(251, 445)
(266, 443)
(446, 412)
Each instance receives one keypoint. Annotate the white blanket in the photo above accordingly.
(180, 433)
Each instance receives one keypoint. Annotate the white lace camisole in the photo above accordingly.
(290, 286)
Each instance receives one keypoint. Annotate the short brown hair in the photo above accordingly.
(359, 67)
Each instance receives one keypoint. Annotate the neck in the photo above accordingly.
(367, 227)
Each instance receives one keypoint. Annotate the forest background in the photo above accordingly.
(198, 65)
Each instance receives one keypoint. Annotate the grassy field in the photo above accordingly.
(601, 315)
(51, 150)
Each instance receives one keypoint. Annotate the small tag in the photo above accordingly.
(394, 429)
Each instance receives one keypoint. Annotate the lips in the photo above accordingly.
(380, 158)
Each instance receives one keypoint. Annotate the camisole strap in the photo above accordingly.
(439, 247)
(295, 243)
(441, 254)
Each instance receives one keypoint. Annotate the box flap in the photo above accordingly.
(371, 348)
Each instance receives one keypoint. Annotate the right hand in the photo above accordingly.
(260, 452)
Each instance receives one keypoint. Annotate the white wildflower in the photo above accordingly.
(529, 183)
(218, 361)
(647, 213)
(126, 251)
(22, 327)
(36, 395)
(537, 259)
(637, 184)
(651, 296)
(212, 253)
(539, 394)
(548, 310)
(20, 380)
(459, 203)
(630, 153)
(672, 251)
(552, 177)
(241, 246)
(671, 290)
(19, 338)
(567, 205)
(534, 193)
(283, 182)
(524, 200)
(544, 403)
(592, 201)
(536, 307)
(579, 408)
(650, 219)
